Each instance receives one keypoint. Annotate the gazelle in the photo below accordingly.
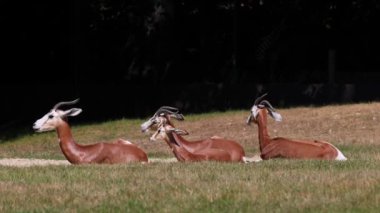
(283, 147)
(214, 148)
(120, 151)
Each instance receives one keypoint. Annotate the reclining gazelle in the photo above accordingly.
(213, 148)
(287, 148)
(120, 151)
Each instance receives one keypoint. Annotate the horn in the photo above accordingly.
(172, 111)
(65, 103)
(166, 109)
(170, 108)
(267, 104)
(257, 101)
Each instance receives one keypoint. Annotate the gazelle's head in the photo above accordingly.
(163, 113)
(164, 128)
(259, 105)
(52, 119)
(160, 123)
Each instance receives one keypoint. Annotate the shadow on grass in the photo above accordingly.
(13, 130)
(18, 128)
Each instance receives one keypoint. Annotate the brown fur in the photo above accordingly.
(288, 148)
(117, 152)
(217, 149)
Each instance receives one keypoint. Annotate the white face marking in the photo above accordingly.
(153, 123)
(162, 129)
(48, 122)
(147, 124)
(255, 111)
(275, 115)
(160, 134)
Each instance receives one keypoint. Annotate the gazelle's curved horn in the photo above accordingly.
(172, 111)
(265, 102)
(166, 109)
(257, 101)
(65, 103)
(170, 108)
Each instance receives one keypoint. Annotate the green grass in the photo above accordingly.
(270, 186)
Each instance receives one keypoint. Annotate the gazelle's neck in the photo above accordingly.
(64, 133)
(175, 142)
(263, 131)
(67, 143)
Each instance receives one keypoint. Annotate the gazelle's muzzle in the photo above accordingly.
(146, 125)
(35, 127)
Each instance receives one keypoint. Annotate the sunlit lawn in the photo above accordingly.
(269, 186)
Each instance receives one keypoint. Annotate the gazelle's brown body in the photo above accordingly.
(119, 151)
(217, 149)
(288, 148)
(208, 149)
(214, 148)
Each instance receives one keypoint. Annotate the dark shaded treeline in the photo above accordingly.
(126, 58)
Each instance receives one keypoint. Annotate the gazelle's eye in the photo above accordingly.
(50, 116)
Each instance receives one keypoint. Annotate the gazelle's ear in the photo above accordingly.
(73, 112)
(275, 115)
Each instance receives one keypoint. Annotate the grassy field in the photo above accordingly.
(269, 186)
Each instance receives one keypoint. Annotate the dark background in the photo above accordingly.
(127, 58)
